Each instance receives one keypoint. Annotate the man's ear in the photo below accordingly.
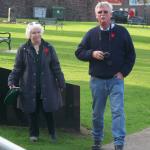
(111, 15)
(96, 15)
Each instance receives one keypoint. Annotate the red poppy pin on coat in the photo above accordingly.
(46, 50)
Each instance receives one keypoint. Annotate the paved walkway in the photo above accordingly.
(10, 51)
(137, 141)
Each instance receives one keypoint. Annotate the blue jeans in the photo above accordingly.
(101, 89)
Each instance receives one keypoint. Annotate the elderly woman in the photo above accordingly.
(37, 72)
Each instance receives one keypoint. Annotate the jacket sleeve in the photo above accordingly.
(130, 55)
(14, 76)
(83, 51)
(55, 65)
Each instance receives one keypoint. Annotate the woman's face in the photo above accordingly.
(35, 35)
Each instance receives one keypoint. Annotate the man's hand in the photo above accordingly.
(99, 55)
(119, 75)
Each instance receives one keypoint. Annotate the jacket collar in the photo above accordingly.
(29, 46)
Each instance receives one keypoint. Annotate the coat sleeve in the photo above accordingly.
(130, 55)
(14, 76)
(83, 51)
(55, 65)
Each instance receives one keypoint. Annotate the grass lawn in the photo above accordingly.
(137, 84)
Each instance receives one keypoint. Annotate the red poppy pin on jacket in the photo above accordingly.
(46, 50)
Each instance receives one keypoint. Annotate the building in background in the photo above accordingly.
(78, 10)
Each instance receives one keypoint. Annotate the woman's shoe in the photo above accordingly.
(33, 138)
(53, 138)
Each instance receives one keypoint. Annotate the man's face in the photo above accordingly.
(103, 15)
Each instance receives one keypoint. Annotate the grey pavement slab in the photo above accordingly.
(13, 51)
(137, 141)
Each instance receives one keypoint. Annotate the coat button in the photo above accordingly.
(42, 73)
(34, 87)
(34, 74)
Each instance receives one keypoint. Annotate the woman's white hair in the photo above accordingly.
(104, 4)
(31, 26)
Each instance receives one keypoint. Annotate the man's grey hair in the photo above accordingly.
(103, 4)
(31, 26)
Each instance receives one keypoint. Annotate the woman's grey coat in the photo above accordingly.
(24, 75)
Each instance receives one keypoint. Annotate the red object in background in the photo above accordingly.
(131, 13)
(113, 2)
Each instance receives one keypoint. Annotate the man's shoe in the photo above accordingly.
(33, 138)
(97, 145)
(118, 147)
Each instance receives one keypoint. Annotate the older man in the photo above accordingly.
(111, 55)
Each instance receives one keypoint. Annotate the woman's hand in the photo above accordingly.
(12, 86)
